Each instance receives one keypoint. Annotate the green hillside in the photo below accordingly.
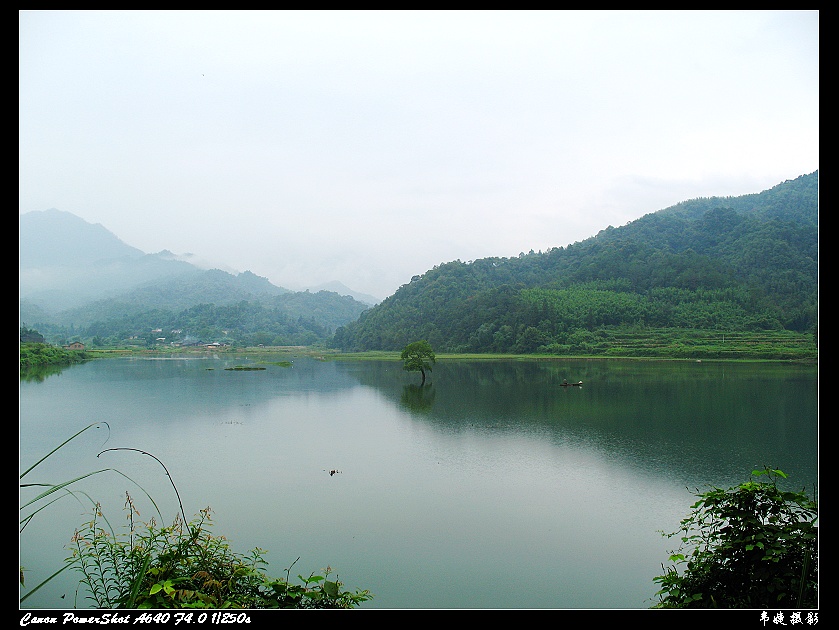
(702, 268)
(208, 307)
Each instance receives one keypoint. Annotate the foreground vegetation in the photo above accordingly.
(752, 546)
(185, 566)
(180, 566)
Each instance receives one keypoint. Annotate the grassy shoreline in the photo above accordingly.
(603, 344)
(386, 355)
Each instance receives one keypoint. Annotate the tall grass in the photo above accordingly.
(179, 566)
(53, 492)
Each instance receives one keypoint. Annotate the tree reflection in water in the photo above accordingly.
(418, 397)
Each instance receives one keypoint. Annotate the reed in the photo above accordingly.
(53, 492)
(182, 565)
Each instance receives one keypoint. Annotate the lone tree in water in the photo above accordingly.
(418, 357)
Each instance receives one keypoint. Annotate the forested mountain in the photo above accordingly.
(720, 264)
(66, 262)
(78, 281)
(175, 293)
(290, 319)
(212, 306)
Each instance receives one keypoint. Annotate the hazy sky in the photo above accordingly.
(370, 146)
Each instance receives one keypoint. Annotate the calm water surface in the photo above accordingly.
(492, 487)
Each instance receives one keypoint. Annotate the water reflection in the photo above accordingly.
(39, 373)
(706, 422)
(418, 398)
(492, 469)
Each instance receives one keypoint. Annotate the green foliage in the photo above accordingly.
(752, 546)
(34, 355)
(30, 335)
(46, 490)
(732, 265)
(186, 566)
(49, 493)
(180, 566)
(418, 357)
(289, 319)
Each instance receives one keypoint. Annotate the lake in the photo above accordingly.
(491, 487)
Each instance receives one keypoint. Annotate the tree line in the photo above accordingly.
(733, 265)
(291, 319)
(749, 267)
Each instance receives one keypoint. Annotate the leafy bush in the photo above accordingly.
(180, 566)
(754, 546)
(35, 354)
(185, 566)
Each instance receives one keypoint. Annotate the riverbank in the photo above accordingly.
(383, 355)
(642, 345)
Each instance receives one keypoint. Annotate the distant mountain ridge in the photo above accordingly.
(180, 292)
(713, 264)
(66, 263)
(74, 274)
(717, 264)
(794, 201)
(53, 238)
(342, 289)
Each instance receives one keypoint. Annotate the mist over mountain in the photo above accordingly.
(728, 264)
(78, 278)
(66, 263)
(53, 238)
(342, 289)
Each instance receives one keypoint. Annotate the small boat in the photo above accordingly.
(567, 384)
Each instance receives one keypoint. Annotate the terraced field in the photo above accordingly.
(701, 344)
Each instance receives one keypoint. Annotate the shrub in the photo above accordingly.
(180, 566)
(186, 566)
(753, 546)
